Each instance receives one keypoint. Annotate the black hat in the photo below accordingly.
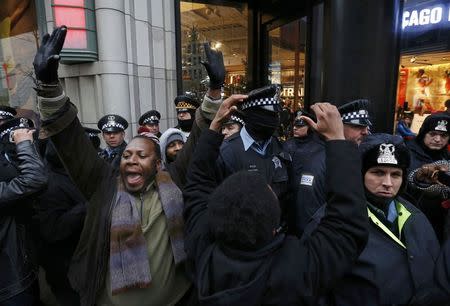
(408, 114)
(7, 112)
(14, 124)
(150, 117)
(186, 102)
(112, 123)
(299, 122)
(384, 150)
(93, 136)
(435, 122)
(356, 112)
(91, 132)
(236, 117)
(266, 97)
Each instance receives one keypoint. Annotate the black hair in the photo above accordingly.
(243, 212)
(156, 145)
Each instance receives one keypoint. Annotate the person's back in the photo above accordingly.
(236, 254)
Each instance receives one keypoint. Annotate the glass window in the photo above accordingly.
(81, 40)
(225, 27)
(287, 61)
(19, 39)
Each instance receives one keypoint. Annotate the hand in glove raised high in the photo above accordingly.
(47, 57)
(214, 66)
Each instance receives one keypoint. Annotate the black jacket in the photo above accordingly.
(17, 262)
(61, 210)
(386, 273)
(287, 271)
(308, 168)
(430, 205)
(275, 166)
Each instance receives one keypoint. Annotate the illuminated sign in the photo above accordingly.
(438, 15)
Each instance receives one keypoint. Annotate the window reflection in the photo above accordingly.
(225, 27)
(287, 61)
(18, 44)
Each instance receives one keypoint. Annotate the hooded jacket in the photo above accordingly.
(163, 142)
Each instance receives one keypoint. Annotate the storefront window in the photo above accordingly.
(287, 61)
(225, 27)
(18, 44)
(424, 72)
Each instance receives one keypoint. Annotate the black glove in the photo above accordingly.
(214, 66)
(47, 57)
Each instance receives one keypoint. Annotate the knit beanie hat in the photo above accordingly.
(434, 122)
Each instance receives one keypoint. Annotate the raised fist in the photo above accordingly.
(47, 57)
(214, 66)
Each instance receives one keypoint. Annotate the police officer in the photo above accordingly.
(308, 163)
(186, 105)
(113, 131)
(8, 171)
(6, 112)
(151, 121)
(254, 148)
(93, 137)
(233, 125)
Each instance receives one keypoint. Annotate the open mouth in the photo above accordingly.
(134, 179)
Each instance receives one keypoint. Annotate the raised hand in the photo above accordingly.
(20, 135)
(47, 57)
(214, 66)
(329, 121)
(225, 110)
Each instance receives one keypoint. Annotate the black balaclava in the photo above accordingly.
(260, 123)
(186, 125)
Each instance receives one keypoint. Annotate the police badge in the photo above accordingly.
(441, 126)
(276, 162)
(386, 154)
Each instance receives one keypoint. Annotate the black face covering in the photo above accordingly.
(261, 123)
(186, 125)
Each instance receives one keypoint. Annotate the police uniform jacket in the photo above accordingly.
(274, 166)
(390, 271)
(308, 167)
(287, 271)
(96, 180)
(114, 157)
(18, 264)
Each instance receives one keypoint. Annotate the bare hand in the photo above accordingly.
(225, 110)
(20, 135)
(329, 121)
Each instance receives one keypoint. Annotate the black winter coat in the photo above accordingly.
(287, 271)
(428, 204)
(60, 210)
(18, 267)
(308, 168)
(386, 273)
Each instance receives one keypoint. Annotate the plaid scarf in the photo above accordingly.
(128, 262)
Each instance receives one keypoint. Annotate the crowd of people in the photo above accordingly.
(217, 210)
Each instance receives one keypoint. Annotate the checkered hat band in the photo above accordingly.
(6, 131)
(237, 119)
(5, 114)
(113, 124)
(260, 102)
(355, 115)
(151, 119)
(185, 105)
(92, 134)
